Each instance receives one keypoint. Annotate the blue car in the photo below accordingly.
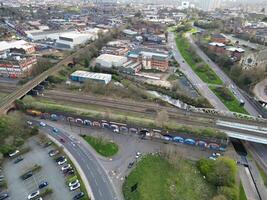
(178, 139)
(190, 141)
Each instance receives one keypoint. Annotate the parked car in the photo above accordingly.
(4, 196)
(61, 162)
(48, 144)
(43, 184)
(87, 122)
(62, 140)
(130, 165)
(13, 153)
(42, 124)
(71, 172)
(212, 158)
(26, 176)
(60, 158)
(29, 123)
(65, 167)
(78, 196)
(34, 195)
(138, 155)
(75, 187)
(53, 153)
(72, 183)
(19, 159)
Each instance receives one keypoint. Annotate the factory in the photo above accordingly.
(82, 76)
(17, 44)
(109, 60)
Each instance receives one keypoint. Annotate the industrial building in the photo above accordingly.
(16, 65)
(109, 60)
(17, 44)
(130, 67)
(82, 76)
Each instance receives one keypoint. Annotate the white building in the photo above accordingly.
(209, 5)
(70, 40)
(109, 60)
(82, 76)
(185, 4)
(36, 35)
(18, 44)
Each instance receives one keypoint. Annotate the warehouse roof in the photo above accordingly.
(110, 57)
(14, 44)
(91, 75)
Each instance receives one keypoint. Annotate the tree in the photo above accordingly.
(161, 118)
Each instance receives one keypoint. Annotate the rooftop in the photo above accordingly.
(110, 57)
(13, 44)
(91, 75)
(217, 44)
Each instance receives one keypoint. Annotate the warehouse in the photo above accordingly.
(109, 60)
(82, 76)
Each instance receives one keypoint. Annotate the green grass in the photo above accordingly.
(232, 105)
(263, 174)
(205, 73)
(159, 180)
(103, 147)
(242, 194)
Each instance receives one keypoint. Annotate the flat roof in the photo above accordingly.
(110, 57)
(240, 50)
(217, 44)
(14, 44)
(91, 75)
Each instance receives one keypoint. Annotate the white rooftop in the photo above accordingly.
(217, 44)
(91, 75)
(240, 50)
(13, 44)
(110, 57)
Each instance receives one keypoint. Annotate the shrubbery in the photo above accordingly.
(222, 174)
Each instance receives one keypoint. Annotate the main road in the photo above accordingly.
(99, 181)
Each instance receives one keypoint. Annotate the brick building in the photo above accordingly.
(150, 59)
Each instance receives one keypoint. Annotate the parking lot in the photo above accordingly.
(19, 189)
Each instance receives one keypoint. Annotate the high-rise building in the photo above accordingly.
(209, 5)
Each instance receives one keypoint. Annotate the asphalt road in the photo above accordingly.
(226, 80)
(194, 79)
(99, 181)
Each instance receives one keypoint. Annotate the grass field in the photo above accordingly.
(102, 146)
(157, 179)
(204, 72)
(232, 105)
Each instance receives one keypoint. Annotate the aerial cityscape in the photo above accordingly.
(133, 99)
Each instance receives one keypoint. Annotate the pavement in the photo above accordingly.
(50, 172)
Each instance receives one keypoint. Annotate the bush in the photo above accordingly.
(224, 93)
(231, 193)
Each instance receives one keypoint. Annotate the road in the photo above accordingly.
(202, 87)
(226, 80)
(101, 186)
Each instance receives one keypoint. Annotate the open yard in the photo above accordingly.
(102, 146)
(200, 68)
(157, 179)
(228, 100)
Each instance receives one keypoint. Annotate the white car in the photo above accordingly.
(75, 187)
(138, 154)
(116, 130)
(212, 158)
(65, 167)
(29, 123)
(62, 162)
(14, 153)
(72, 183)
(33, 195)
(42, 124)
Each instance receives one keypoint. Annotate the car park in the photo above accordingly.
(53, 153)
(42, 124)
(19, 159)
(72, 183)
(14, 153)
(43, 184)
(65, 167)
(28, 175)
(34, 195)
(4, 196)
(78, 196)
(75, 187)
